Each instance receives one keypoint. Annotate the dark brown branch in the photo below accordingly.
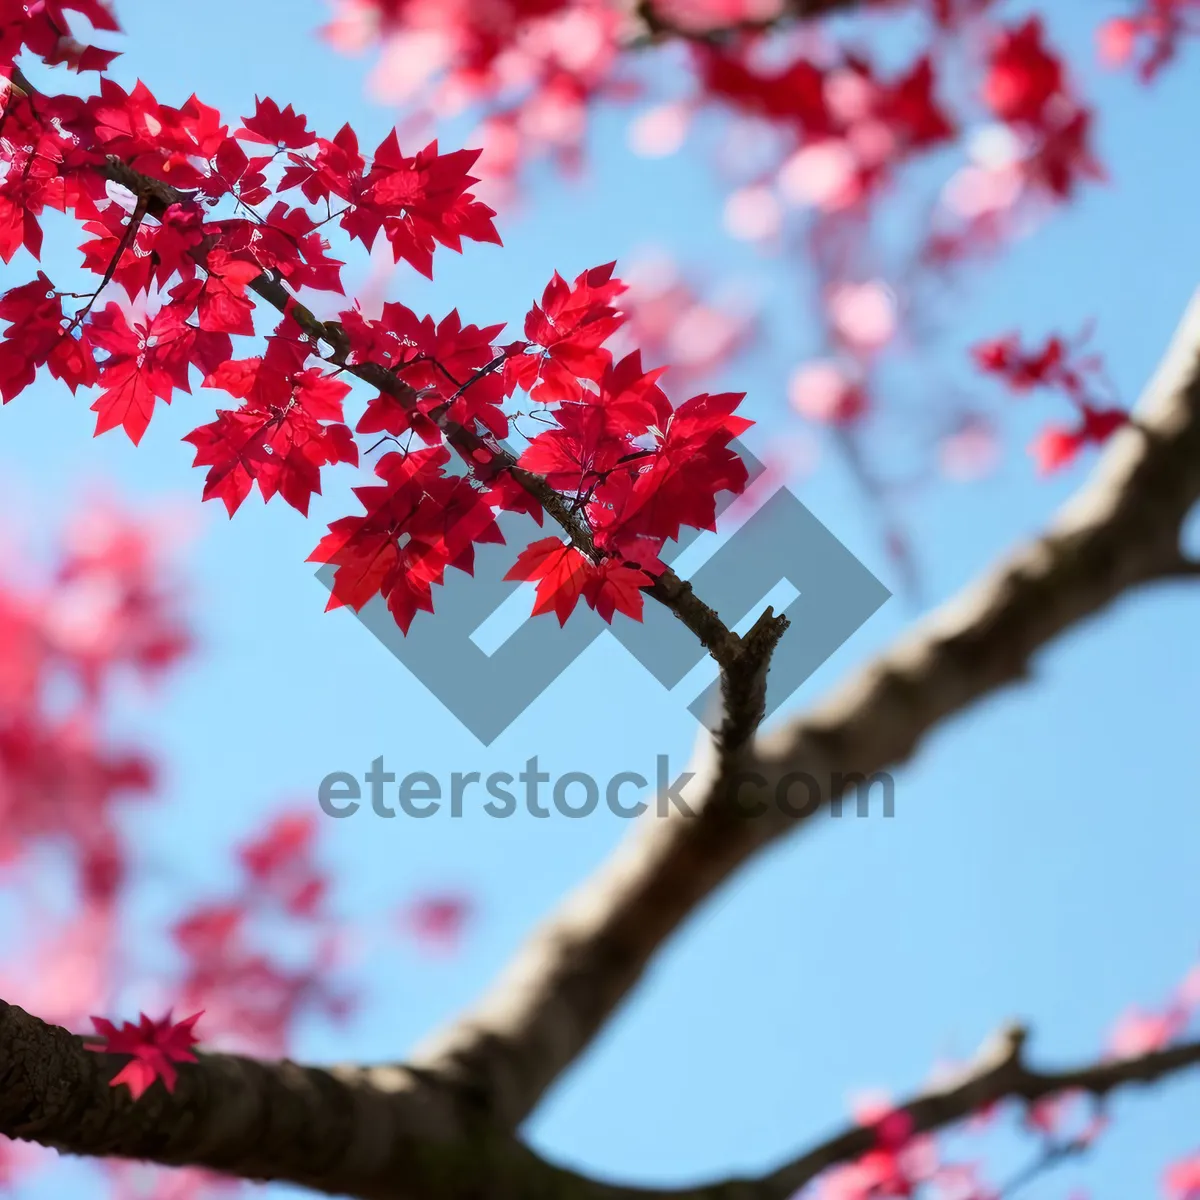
(389, 1134)
(1120, 531)
(376, 1133)
(658, 27)
(1182, 568)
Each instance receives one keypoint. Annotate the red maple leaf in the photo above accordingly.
(288, 839)
(571, 324)
(233, 173)
(448, 363)
(586, 446)
(794, 93)
(617, 587)
(275, 127)
(563, 575)
(159, 250)
(280, 862)
(336, 170)
(146, 361)
(1022, 74)
(560, 571)
(417, 523)
(287, 241)
(154, 1045)
(32, 183)
(223, 306)
(418, 202)
(679, 483)
(163, 142)
(1057, 446)
(632, 396)
(910, 110)
(288, 429)
(1064, 157)
(35, 337)
(1023, 370)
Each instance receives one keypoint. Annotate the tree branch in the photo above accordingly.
(381, 1133)
(998, 1073)
(659, 27)
(1121, 530)
(743, 662)
(388, 1134)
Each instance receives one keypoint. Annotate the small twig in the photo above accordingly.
(1052, 1156)
(135, 222)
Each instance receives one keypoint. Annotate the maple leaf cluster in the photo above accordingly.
(1028, 89)
(534, 66)
(102, 617)
(847, 128)
(178, 317)
(630, 467)
(1149, 37)
(811, 122)
(233, 966)
(1059, 366)
(841, 132)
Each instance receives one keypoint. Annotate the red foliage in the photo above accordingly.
(1181, 1181)
(1150, 36)
(154, 1045)
(438, 921)
(630, 463)
(1056, 366)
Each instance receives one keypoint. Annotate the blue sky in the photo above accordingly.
(1042, 860)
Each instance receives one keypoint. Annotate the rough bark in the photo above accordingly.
(387, 1134)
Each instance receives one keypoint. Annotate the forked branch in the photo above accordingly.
(1120, 531)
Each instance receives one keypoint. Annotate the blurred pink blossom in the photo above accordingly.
(823, 391)
(1189, 989)
(659, 131)
(822, 175)
(970, 452)
(1181, 1181)
(696, 16)
(753, 214)
(438, 921)
(863, 314)
(1138, 1032)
